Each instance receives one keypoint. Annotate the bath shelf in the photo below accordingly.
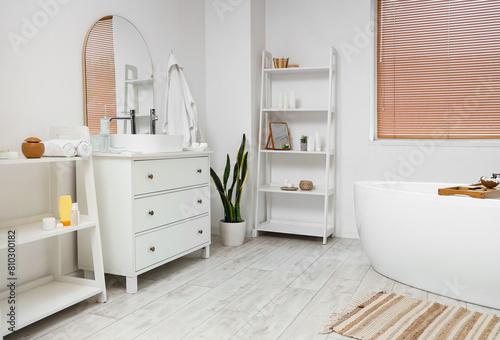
(316, 108)
(317, 190)
(39, 298)
(296, 152)
(294, 228)
(292, 70)
(305, 109)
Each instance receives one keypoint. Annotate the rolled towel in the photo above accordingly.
(59, 148)
(83, 148)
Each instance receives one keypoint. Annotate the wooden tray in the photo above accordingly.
(473, 190)
(289, 188)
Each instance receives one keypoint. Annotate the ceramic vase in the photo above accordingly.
(232, 234)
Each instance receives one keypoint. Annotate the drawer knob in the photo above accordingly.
(200, 171)
(150, 176)
(200, 231)
(152, 249)
(200, 201)
(151, 212)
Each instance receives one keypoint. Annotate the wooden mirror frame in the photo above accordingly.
(270, 140)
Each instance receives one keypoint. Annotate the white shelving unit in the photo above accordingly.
(311, 81)
(42, 297)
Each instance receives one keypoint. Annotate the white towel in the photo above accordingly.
(59, 148)
(83, 148)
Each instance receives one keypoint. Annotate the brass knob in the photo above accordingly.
(150, 176)
(200, 201)
(152, 249)
(200, 231)
(200, 171)
(151, 212)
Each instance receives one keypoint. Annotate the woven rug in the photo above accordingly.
(390, 316)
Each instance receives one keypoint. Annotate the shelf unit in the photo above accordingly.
(268, 187)
(37, 299)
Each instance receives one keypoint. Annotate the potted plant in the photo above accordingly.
(232, 227)
(303, 143)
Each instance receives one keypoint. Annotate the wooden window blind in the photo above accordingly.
(438, 69)
(100, 86)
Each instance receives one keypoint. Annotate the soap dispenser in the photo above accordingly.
(104, 133)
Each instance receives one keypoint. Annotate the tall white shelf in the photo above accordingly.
(40, 298)
(322, 81)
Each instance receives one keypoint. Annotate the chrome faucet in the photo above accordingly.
(131, 118)
(152, 118)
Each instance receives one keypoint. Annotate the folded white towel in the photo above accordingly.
(83, 148)
(59, 148)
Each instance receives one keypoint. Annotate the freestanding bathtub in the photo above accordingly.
(448, 245)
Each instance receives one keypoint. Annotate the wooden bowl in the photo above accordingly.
(489, 182)
(32, 148)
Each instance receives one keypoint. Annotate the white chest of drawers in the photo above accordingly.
(153, 209)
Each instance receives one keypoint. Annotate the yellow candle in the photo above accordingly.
(65, 210)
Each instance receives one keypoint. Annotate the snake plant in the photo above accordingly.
(232, 213)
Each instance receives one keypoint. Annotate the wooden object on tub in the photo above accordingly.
(474, 190)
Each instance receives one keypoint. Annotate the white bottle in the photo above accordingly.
(285, 102)
(104, 133)
(280, 100)
(75, 215)
(318, 141)
(292, 101)
(310, 143)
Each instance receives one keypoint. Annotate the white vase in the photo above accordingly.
(232, 234)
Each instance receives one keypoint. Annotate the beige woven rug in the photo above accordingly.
(390, 316)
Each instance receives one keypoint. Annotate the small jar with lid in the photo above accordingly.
(33, 148)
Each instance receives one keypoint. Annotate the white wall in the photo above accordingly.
(303, 30)
(234, 41)
(41, 79)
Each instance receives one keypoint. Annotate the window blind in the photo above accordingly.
(438, 69)
(100, 87)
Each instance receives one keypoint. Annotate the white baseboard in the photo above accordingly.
(216, 231)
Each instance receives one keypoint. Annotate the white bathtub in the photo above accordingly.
(449, 245)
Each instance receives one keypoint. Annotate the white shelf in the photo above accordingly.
(23, 160)
(30, 232)
(300, 109)
(313, 82)
(47, 298)
(294, 227)
(37, 299)
(297, 70)
(139, 81)
(296, 152)
(316, 191)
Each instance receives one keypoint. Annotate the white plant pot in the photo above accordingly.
(232, 234)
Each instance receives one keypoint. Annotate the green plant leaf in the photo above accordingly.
(226, 172)
(236, 171)
(226, 203)
(241, 151)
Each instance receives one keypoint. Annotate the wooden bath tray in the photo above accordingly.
(473, 190)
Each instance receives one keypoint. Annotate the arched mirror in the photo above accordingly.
(118, 75)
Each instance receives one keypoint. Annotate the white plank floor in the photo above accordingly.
(272, 287)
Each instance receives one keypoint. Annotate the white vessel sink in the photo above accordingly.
(147, 143)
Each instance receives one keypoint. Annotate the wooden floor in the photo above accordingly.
(272, 287)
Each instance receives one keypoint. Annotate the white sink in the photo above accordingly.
(147, 143)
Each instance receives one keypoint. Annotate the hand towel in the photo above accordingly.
(59, 148)
(83, 148)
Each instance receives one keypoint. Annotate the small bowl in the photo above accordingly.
(32, 148)
(489, 182)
